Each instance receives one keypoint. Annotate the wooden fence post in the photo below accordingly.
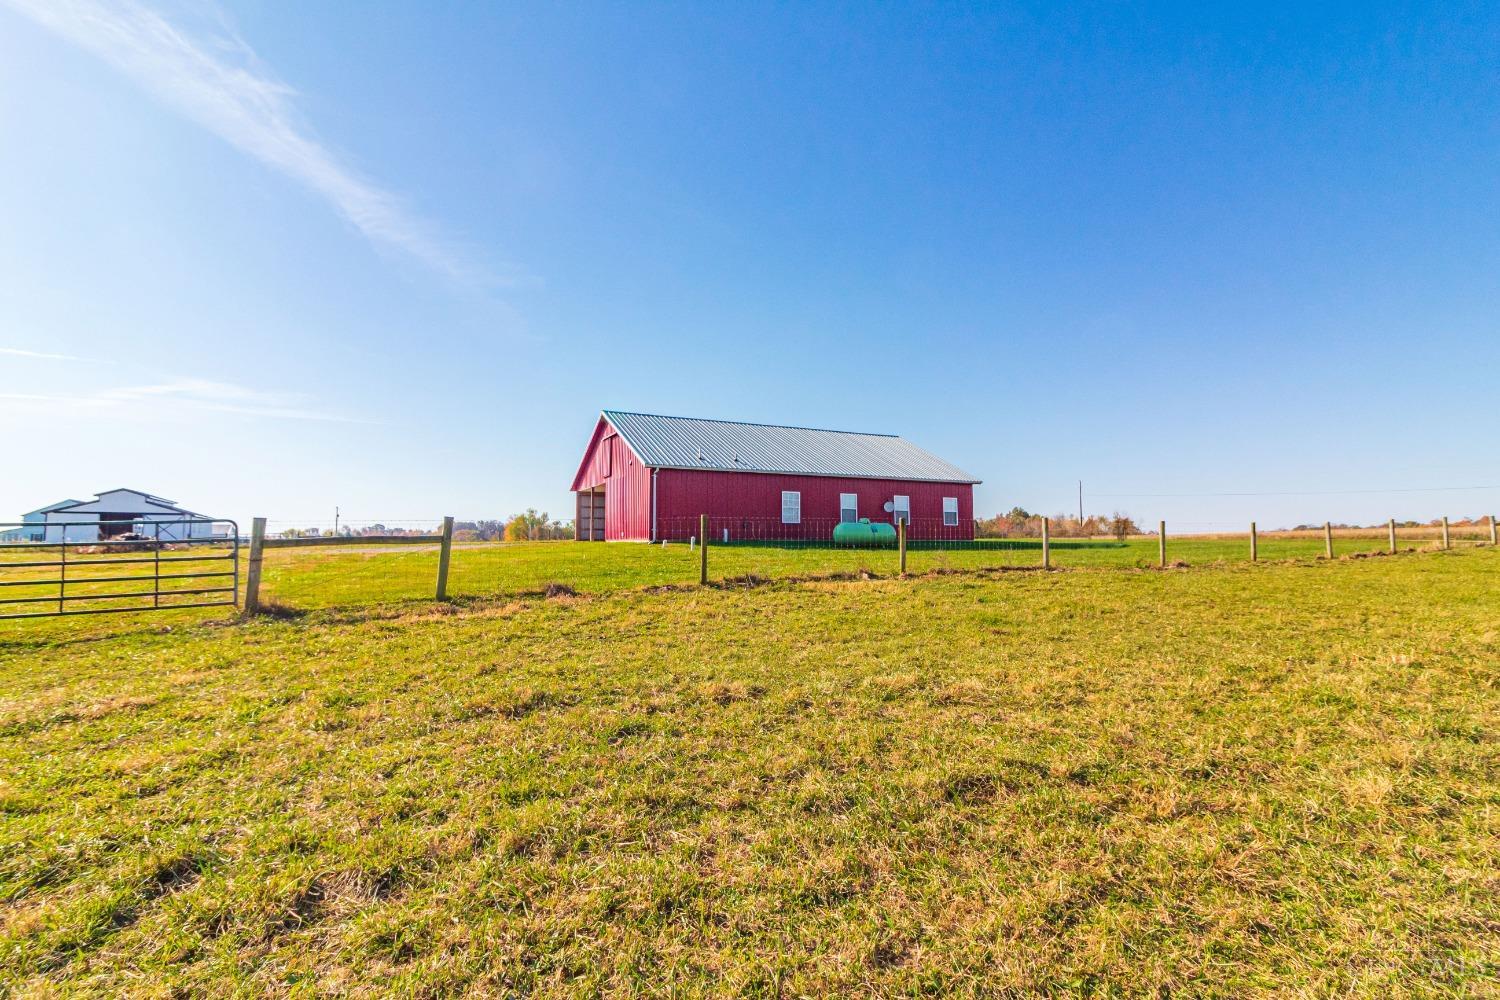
(901, 542)
(703, 550)
(1494, 537)
(252, 573)
(1445, 531)
(1393, 536)
(1328, 539)
(443, 553)
(1161, 543)
(1046, 543)
(1253, 552)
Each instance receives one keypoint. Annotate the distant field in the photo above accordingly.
(1225, 781)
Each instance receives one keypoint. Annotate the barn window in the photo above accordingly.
(609, 456)
(950, 512)
(848, 507)
(791, 507)
(902, 509)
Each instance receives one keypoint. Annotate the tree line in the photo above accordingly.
(528, 526)
(1021, 523)
(349, 531)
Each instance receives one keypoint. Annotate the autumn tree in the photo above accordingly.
(1120, 525)
(534, 527)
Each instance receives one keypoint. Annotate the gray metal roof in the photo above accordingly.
(160, 501)
(53, 506)
(730, 446)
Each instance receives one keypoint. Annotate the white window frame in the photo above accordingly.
(950, 512)
(849, 502)
(791, 507)
(901, 509)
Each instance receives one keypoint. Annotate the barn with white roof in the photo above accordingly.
(119, 512)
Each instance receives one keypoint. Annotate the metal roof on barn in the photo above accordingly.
(98, 498)
(731, 446)
(53, 506)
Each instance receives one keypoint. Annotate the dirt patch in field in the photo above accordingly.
(744, 582)
(279, 610)
(727, 693)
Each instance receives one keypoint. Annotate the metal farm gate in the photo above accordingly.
(158, 565)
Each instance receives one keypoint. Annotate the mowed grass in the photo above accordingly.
(1225, 781)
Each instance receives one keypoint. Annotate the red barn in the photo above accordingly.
(649, 478)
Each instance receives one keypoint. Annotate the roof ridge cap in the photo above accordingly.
(752, 423)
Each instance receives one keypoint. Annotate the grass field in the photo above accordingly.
(1230, 780)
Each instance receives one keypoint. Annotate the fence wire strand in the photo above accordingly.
(751, 550)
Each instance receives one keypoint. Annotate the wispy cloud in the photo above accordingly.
(214, 78)
(177, 396)
(16, 352)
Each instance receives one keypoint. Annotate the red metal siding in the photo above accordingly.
(610, 463)
(683, 494)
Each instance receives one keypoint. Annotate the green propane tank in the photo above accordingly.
(864, 533)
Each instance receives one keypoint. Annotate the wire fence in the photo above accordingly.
(306, 564)
(745, 550)
(350, 527)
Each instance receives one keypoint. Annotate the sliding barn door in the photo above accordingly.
(589, 521)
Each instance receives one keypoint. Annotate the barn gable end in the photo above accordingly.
(612, 486)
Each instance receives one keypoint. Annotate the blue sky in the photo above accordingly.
(268, 258)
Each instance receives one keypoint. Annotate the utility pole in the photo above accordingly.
(335, 520)
(1080, 501)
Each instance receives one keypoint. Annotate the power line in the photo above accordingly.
(1305, 493)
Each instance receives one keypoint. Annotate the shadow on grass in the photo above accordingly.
(62, 632)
